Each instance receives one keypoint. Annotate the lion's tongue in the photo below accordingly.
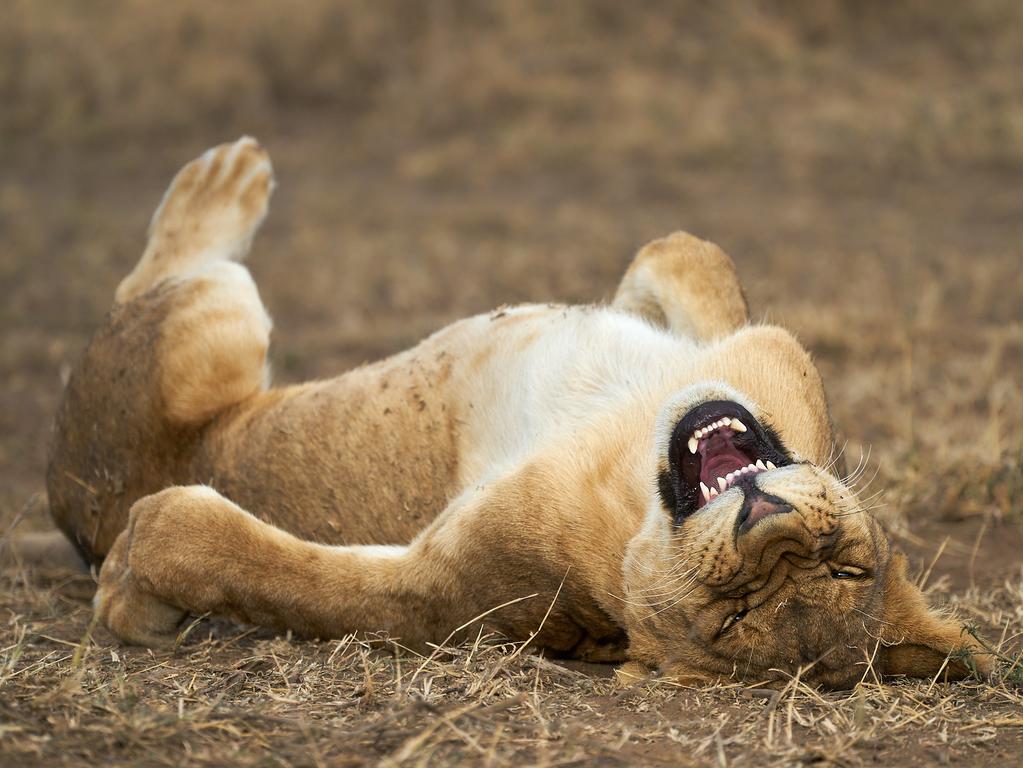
(718, 457)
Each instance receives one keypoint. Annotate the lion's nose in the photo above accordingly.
(759, 505)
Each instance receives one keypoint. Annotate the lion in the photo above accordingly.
(645, 482)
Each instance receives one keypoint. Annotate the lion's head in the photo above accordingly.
(757, 563)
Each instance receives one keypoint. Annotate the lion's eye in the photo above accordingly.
(732, 620)
(847, 572)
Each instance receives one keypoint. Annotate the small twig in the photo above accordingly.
(927, 573)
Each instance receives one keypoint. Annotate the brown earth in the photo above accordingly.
(862, 162)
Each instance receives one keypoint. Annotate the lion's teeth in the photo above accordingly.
(760, 464)
(713, 492)
(694, 443)
(706, 492)
(722, 483)
(771, 466)
(737, 426)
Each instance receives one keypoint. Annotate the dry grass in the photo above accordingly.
(247, 698)
(861, 161)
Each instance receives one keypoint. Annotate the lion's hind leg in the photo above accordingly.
(214, 334)
(210, 212)
(160, 368)
(187, 339)
(213, 345)
(685, 284)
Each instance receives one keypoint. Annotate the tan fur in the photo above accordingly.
(211, 210)
(511, 461)
(685, 284)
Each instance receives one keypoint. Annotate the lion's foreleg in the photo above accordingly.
(685, 284)
(478, 566)
(190, 550)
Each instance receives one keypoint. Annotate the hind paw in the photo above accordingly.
(211, 211)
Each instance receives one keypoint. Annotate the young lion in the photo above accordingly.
(647, 480)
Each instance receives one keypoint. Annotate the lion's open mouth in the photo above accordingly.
(716, 446)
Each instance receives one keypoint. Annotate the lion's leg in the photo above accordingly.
(210, 212)
(686, 285)
(190, 550)
(214, 338)
(187, 339)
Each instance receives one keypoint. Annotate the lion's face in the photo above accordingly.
(760, 565)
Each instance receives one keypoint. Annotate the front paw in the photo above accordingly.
(123, 603)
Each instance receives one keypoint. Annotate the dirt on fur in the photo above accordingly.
(861, 162)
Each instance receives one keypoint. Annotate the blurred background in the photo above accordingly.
(861, 161)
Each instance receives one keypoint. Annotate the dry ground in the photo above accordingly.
(863, 163)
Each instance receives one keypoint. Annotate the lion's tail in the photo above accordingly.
(43, 550)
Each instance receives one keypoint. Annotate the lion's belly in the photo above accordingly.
(373, 456)
(557, 373)
(367, 458)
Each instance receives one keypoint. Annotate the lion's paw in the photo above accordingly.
(217, 201)
(126, 607)
(211, 211)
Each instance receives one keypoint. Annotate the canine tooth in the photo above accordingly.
(760, 464)
(722, 483)
(706, 492)
(737, 426)
(693, 444)
(771, 466)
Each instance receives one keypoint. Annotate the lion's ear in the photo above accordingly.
(918, 642)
